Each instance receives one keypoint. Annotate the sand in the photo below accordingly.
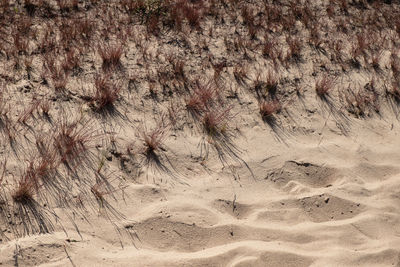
(317, 183)
(329, 204)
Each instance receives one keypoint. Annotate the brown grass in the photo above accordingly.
(72, 140)
(26, 188)
(152, 140)
(74, 40)
(215, 121)
(269, 108)
(111, 55)
(106, 92)
(324, 85)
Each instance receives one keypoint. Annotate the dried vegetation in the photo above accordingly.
(143, 55)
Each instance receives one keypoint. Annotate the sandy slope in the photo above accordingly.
(318, 187)
(332, 204)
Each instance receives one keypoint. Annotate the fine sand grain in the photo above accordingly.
(199, 133)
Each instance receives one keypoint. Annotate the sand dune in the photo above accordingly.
(200, 133)
(305, 212)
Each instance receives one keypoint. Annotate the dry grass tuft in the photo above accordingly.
(215, 121)
(25, 190)
(152, 140)
(202, 98)
(106, 92)
(72, 140)
(111, 55)
(269, 108)
(324, 85)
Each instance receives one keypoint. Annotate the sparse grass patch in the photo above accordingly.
(361, 102)
(178, 67)
(55, 71)
(203, 97)
(152, 150)
(360, 48)
(294, 51)
(266, 88)
(324, 85)
(175, 54)
(240, 73)
(153, 140)
(268, 47)
(45, 107)
(111, 55)
(28, 112)
(269, 108)
(25, 189)
(106, 92)
(272, 83)
(215, 121)
(72, 140)
(21, 43)
(70, 61)
(194, 104)
(315, 38)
